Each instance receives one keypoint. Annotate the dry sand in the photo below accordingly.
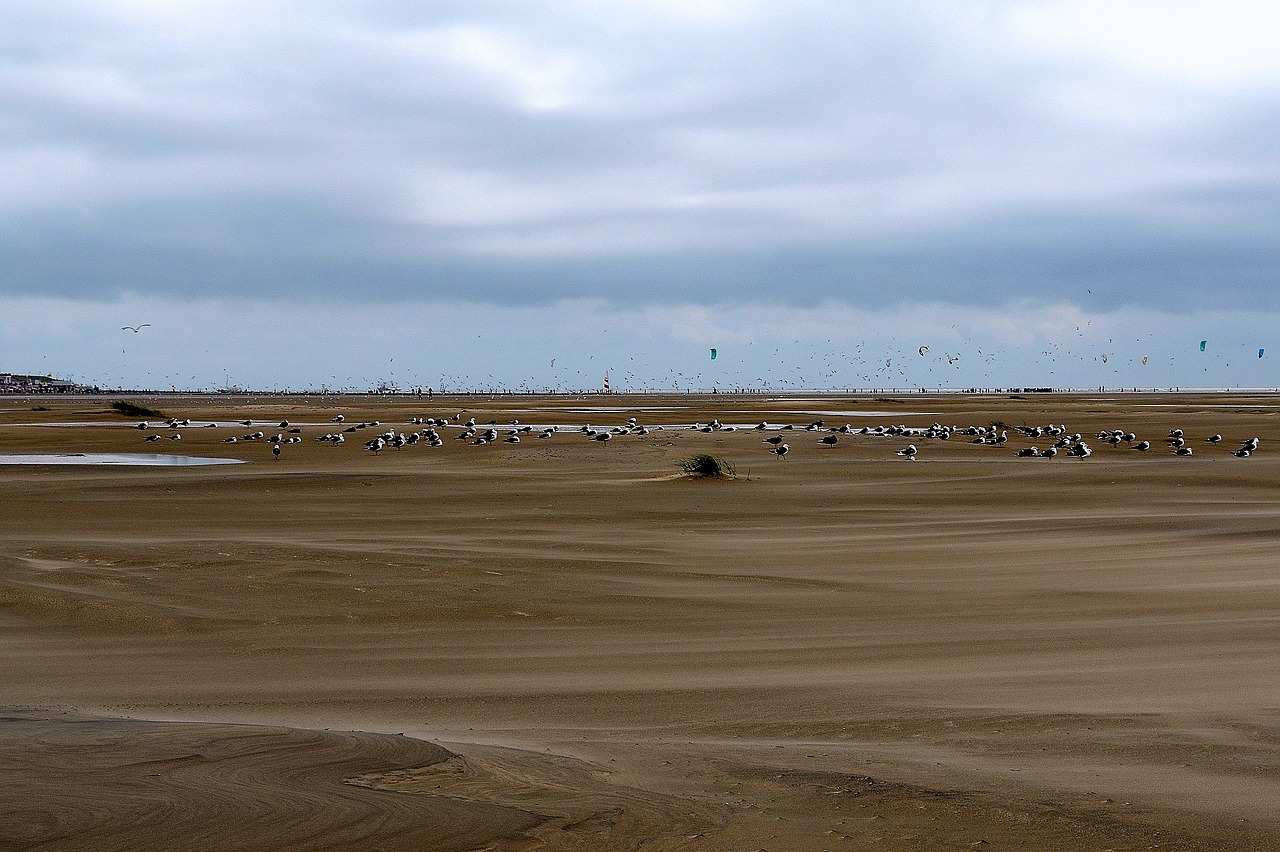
(563, 645)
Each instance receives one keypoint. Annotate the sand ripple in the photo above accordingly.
(76, 783)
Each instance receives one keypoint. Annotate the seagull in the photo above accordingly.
(275, 451)
(339, 418)
(1213, 439)
(135, 328)
(1241, 453)
(908, 452)
(1250, 445)
(829, 440)
(780, 451)
(1143, 447)
(775, 440)
(1182, 451)
(1029, 452)
(1049, 453)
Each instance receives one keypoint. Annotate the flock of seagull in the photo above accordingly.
(427, 432)
(1068, 444)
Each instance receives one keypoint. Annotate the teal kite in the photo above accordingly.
(1203, 344)
(713, 354)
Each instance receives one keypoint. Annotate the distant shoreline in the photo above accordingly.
(652, 392)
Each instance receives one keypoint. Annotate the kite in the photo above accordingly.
(713, 354)
(1203, 344)
(1260, 351)
(924, 349)
(1144, 360)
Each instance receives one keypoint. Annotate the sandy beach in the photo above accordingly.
(566, 644)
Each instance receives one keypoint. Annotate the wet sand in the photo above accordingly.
(564, 644)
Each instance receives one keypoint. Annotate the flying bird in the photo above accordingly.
(135, 328)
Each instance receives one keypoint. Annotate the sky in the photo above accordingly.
(531, 195)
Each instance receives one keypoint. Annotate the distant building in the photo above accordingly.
(14, 383)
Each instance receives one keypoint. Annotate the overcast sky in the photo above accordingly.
(313, 193)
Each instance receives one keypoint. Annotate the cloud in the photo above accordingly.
(876, 154)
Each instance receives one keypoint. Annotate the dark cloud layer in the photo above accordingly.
(874, 153)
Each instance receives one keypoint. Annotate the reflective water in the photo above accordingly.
(131, 459)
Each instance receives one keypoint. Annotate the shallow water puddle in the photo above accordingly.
(131, 459)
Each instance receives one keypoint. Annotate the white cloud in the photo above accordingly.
(1224, 43)
(868, 154)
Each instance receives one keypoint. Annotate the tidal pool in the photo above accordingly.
(131, 459)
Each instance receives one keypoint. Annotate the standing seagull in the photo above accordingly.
(275, 451)
(135, 328)
(781, 450)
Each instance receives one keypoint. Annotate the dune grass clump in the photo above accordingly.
(132, 409)
(705, 465)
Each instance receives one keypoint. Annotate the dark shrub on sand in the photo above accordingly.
(132, 409)
(704, 465)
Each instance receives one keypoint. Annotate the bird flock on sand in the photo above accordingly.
(1044, 441)
(1060, 440)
